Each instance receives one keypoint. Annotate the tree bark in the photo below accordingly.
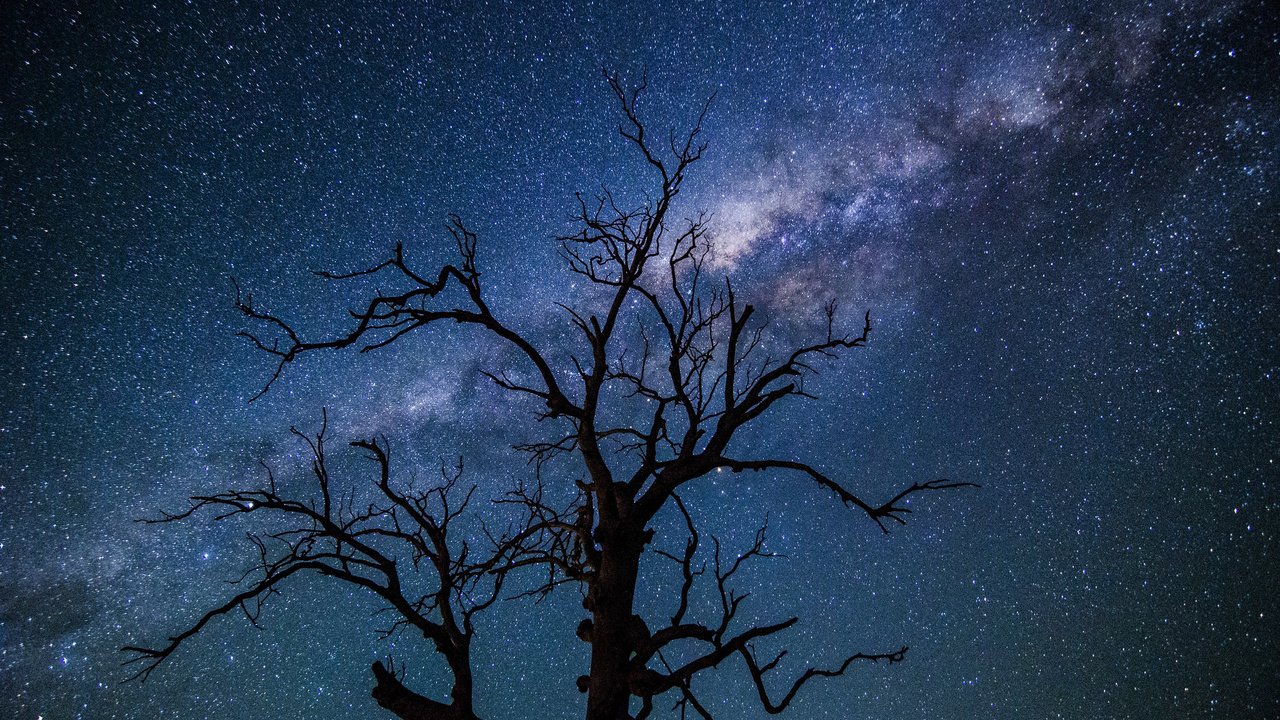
(460, 663)
(613, 630)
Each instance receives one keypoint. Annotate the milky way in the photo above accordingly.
(1062, 219)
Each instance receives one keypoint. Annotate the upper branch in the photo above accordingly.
(759, 395)
(744, 393)
(633, 129)
(890, 510)
(388, 317)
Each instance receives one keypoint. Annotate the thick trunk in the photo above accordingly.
(460, 663)
(614, 630)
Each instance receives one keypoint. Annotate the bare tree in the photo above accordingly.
(331, 535)
(662, 343)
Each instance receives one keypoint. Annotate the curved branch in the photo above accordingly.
(386, 318)
(890, 510)
(758, 672)
(150, 658)
(392, 694)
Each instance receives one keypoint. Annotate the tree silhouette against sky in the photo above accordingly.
(672, 367)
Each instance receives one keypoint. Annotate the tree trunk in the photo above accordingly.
(460, 663)
(613, 636)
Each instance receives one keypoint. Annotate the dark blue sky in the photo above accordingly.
(1062, 218)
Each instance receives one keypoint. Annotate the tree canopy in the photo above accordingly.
(675, 366)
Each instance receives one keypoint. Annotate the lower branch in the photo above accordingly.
(392, 695)
(758, 672)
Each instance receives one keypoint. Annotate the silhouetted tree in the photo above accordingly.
(681, 351)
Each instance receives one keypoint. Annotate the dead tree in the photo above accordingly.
(677, 349)
(330, 534)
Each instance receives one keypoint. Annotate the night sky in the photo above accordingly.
(1062, 218)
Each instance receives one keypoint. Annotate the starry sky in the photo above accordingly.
(1062, 217)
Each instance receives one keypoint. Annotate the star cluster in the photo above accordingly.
(1062, 218)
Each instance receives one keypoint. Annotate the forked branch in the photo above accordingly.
(388, 317)
(758, 672)
(893, 509)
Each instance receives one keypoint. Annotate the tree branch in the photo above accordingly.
(890, 510)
